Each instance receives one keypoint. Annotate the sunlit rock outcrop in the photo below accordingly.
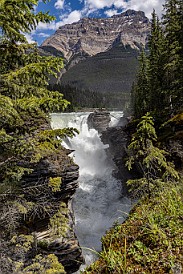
(59, 238)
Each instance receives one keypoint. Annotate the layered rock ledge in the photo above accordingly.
(41, 216)
(36, 189)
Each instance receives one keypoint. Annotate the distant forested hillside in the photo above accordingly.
(104, 80)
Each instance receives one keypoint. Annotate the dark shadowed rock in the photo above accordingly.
(118, 139)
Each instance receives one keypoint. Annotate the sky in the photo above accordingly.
(69, 11)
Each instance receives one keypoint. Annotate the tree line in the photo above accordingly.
(159, 85)
(157, 103)
(86, 98)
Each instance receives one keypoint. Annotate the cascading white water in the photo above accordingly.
(98, 202)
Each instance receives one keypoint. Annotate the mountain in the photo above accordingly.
(101, 54)
(91, 36)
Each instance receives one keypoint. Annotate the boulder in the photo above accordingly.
(99, 120)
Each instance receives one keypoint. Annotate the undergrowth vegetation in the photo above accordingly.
(150, 241)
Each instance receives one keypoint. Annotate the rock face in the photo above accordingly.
(65, 246)
(42, 218)
(99, 120)
(118, 139)
(101, 57)
(90, 36)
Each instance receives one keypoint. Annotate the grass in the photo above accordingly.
(150, 241)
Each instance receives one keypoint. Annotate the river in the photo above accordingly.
(98, 201)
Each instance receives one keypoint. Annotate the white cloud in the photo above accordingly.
(59, 4)
(98, 4)
(42, 34)
(74, 16)
(111, 12)
(70, 18)
(46, 26)
(145, 5)
(29, 38)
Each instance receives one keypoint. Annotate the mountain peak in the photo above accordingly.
(130, 12)
(92, 35)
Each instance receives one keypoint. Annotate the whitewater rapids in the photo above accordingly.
(98, 201)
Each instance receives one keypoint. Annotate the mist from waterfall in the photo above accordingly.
(98, 201)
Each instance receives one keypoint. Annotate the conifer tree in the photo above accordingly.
(173, 24)
(25, 104)
(150, 160)
(160, 89)
(24, 98)
(156, 67)
(140, 92)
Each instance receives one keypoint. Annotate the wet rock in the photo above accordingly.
(99, 120)
(118, 138)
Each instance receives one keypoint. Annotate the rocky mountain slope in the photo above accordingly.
(90, 36)
(100, 56)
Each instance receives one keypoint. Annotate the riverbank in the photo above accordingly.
(150, 240)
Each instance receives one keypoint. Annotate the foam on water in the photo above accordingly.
(98, 202)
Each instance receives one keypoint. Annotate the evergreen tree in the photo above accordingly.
(156, 67)
(159, 85)
(173, 24)
(140, 92)
(150, 160)
(25, 133)
(24, 98)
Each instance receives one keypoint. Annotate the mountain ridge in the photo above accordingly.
(90, 36)
(101, 57)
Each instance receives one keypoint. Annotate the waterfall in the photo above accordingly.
(98, 202)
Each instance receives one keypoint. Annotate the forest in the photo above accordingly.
(84, 98)
(150, 241)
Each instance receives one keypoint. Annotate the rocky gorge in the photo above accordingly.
(117, 138)
(130, 245)
(43, 217)
(75, 185)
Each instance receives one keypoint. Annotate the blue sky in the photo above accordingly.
(69, 11)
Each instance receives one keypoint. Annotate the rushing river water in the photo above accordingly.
(98, 202)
